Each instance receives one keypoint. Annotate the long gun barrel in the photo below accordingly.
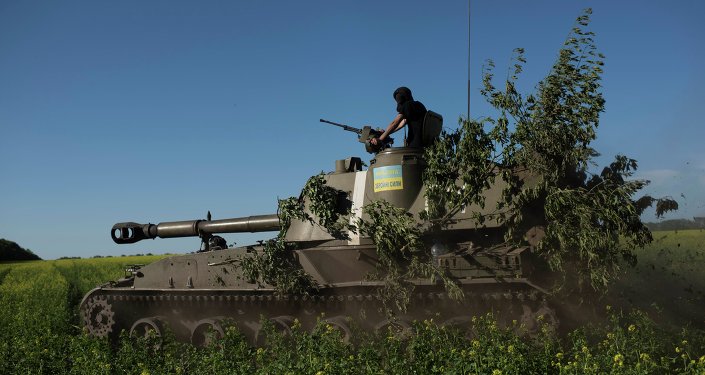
(345, 127)
(129, 232)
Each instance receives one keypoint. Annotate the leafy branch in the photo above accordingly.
(329, 206)
(539, 147)
(402, 253)
(275, 265)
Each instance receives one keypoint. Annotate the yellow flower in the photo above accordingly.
(644, 357)
(559, 356)
(584, 349)
(619, 359)
(320, 373)
(475, 344)
(496, 372)
(678, 350)
(632, 328)
(510, 349)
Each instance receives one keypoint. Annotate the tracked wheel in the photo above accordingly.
(98, 317)
(149, 328)
(533, 320)
(399, 328)
(206, 332)
(282, 324)
(340, 324)
(462, 323)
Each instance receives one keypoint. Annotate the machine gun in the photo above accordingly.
(365, 135)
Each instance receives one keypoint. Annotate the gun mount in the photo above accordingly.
(430, 130)
(365, 135)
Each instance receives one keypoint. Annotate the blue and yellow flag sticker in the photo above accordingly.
(388, 178)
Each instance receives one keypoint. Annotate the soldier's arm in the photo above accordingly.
(395, 125)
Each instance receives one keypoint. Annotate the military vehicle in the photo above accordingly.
(192, 295)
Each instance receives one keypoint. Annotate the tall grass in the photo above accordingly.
(39, 334)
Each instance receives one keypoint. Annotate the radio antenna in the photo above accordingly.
(468, 118)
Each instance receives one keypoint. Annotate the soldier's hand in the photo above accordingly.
(374, 141)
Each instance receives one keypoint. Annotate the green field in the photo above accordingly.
(40, 332)
(669, 279)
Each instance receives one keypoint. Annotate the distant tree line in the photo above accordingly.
(678, 224)
(108, 256)
(11, 251)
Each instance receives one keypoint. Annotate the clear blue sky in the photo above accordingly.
(154, 111)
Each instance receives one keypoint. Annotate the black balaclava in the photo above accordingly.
(402, 95)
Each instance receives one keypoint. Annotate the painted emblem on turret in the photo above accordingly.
(388, 178)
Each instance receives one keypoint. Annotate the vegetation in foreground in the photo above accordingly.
(40, 331)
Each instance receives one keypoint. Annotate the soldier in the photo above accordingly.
(411, 112)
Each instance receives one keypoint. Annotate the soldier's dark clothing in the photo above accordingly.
(414, 112)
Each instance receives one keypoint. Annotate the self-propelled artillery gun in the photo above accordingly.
(193, 295)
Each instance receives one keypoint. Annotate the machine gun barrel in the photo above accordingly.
(345, 127)
(130, 232)
(365, 135)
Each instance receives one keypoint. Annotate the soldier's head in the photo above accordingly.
(401, 96)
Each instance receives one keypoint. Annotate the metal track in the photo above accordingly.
(185, 311)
